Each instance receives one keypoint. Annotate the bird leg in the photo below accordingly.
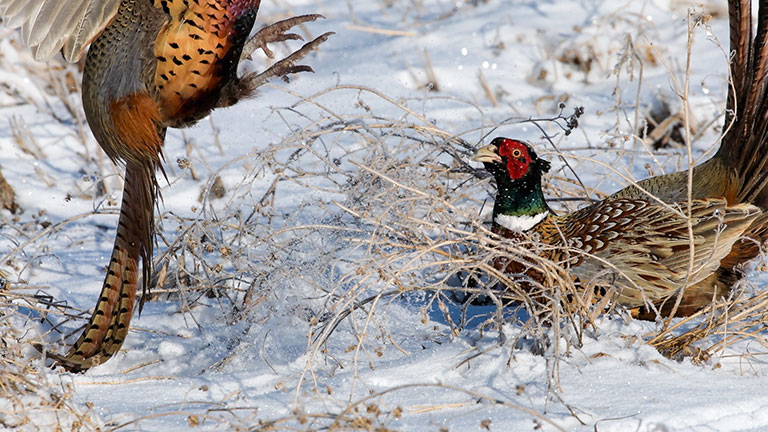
(275, 32)
(287, 65)
(246, 86)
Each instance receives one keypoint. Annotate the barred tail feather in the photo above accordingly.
(108, 326)
(744, 147)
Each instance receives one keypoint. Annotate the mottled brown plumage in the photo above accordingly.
(632, 242)
(151, 64)
(738, 171)
(636, 246)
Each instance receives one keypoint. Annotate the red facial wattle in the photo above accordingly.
(518, 158)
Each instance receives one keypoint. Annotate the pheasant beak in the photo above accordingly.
(488, 154)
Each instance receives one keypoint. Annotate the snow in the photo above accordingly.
(305, 186)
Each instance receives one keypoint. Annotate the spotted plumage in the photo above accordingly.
(152, 64)
(635, 247)
(632, 234)
(197, 50)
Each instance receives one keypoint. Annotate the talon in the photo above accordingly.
(282, 68)
(275, 32)
(191, 50)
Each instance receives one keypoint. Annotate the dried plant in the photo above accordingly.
(32, 397)
(398, 216)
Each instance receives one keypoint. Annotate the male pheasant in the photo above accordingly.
(151, 64)
(636, 244)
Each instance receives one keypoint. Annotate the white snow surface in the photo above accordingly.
(398, 362)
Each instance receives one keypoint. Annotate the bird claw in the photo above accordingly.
(287, 65)
(247, 85)
(275, 32)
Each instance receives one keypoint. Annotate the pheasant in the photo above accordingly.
(152, 64)
(631, 240)
(635, 245)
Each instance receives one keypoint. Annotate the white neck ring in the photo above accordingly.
(520, 223)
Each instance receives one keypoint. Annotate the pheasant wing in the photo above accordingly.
(48, 26)
(644, 248)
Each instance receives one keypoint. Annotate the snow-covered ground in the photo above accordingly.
(326, 181)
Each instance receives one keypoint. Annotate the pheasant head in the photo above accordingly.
(520, 203)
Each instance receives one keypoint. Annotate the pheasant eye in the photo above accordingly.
(516, 153)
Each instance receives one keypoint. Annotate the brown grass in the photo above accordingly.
(31, 396)
(402, 210)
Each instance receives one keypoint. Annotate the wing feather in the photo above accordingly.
(48, 26)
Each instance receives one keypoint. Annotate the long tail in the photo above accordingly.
(739, 169)
(108, 326)
(743, 153)
(745, 144)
